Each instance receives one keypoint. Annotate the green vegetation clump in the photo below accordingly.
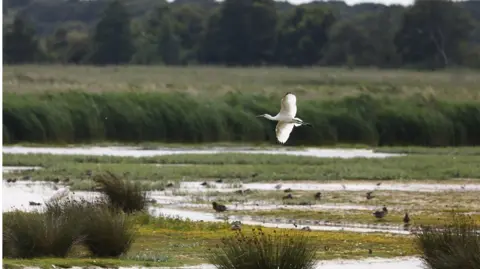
(65, 224)
(127, 196)
(111, 234)
(75, 117)
(29, 235)
(260, 250)
(456, 245)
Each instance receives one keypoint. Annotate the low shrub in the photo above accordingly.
(259, 250)
(457, 245)
(28, 235)
(126, 195)
(111, 232)
(103, 229)
(75, 209)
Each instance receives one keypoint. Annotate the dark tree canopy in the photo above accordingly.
(19, 44)
(433, 32)
(427, 34)
(112, 41)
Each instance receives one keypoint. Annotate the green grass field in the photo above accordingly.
(322, 83)
(240, 167)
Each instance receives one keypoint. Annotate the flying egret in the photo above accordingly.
(286, 118)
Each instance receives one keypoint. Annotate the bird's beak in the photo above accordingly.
(259, 116)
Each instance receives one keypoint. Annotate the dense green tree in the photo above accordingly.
(350, 45)
(19, 43)
(433, 32)
(303, 35)
(57, 45)
(112, 40)
(78, 47)
(245, 32)
(366, 39)
(209, 51)
(189, 26)
(158, 42)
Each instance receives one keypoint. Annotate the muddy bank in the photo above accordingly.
(194, 186)
(10, 169)
(371, 263)
(286, 224)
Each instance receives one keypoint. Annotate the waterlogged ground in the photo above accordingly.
(253, 184)
(143, 152)
(369, 263)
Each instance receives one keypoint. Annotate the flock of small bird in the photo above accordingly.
(379, 214)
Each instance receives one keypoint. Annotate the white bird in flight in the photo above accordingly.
(286, 118)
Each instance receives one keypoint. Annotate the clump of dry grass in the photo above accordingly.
(111, 234)
(259, 250)
(104, 230)
(29, 235)
(125, 195)
(457, 245)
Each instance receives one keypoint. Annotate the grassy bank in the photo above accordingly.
(80, 117)
(324, 83)
(244, 167)
(170, 242)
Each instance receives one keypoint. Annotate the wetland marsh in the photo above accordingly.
(189, 137)
(248, 184)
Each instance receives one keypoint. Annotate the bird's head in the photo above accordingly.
(262, 116)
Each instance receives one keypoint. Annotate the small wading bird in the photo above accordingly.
(219, 207)
(381, 214)
(406, 218)
(286, 118)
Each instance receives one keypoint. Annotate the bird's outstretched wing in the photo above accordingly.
(283, 131)
(289, 105)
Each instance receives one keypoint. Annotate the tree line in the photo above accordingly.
(428, 34)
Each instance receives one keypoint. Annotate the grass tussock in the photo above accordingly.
(77, 117)
(111, 234)
(457, 245)
(126, 195)
(64, 224)
(259, 250)
(29, 235)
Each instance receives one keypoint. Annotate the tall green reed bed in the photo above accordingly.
(457, 245)
(71, 117)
